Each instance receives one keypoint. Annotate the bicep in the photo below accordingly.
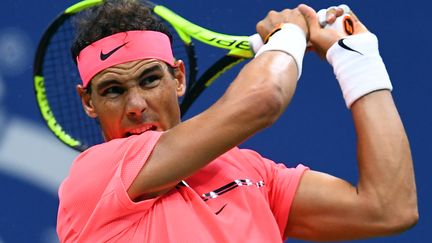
(327, 208)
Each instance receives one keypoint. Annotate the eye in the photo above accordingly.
(150, 81)
(113, 91)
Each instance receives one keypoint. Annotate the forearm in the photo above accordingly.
(383, 201)
(386, 186)
(271, 79)
(252, 102)
(386, 178)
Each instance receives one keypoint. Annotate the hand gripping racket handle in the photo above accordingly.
(344, 24)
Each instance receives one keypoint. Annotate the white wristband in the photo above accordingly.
(358, 66)
(290, 39)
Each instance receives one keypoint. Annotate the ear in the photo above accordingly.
(180, 77)
(86, 101)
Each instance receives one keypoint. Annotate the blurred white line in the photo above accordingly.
(32, 153)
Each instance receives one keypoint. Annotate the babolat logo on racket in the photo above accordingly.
(104, 56)
(348, 25)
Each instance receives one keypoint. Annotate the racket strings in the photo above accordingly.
(61, 77)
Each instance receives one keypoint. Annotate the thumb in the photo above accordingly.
(310, 16)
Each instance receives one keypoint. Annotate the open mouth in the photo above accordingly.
(140, 130)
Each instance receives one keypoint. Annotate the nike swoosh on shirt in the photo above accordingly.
(342, 44)
(220, 210)
(104, 56)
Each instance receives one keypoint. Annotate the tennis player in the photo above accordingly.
(157, 179)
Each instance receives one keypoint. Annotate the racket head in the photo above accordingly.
(56, 77)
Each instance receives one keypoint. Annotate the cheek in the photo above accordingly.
(103, 107)
(167, 93)
(166, 102)
(169, 105)
(108, 112)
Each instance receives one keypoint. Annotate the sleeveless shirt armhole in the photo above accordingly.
(296, 175)
(132, 162)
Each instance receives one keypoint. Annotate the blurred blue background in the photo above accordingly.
(316, 130)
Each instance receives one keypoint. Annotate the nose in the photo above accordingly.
(136, 103)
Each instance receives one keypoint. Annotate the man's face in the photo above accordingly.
(135, 97)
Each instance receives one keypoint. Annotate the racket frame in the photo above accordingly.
(238, 48)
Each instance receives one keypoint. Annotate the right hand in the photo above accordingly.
(274, 19)
(320, 40)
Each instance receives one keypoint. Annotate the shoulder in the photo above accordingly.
(110, 155)
(246, 160)
(266, 167)
(118, 146)
(252, 159)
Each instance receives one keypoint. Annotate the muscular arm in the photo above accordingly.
(383, 202)
(253, 101)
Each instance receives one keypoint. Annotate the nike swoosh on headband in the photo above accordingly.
(104, 56)
(344, 46)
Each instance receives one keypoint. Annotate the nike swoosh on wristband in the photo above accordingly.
(104, 56)
(342, 44)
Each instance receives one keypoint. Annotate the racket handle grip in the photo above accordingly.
(343, 24)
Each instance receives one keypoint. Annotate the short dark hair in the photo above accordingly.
(111, 17)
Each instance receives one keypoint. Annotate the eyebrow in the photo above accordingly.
(156, 67)
(106, 83)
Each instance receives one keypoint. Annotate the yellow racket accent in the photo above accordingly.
(48, 115)
(238, 45)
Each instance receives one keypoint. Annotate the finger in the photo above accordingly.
(267, 25)
(322, 15)
(310, 16)
(345, 8)
(339, 12)
(331, 14)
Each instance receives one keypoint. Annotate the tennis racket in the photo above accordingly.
(343, 24)
(56, 76)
